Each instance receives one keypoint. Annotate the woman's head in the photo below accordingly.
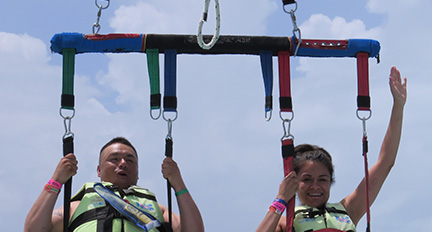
(314, 169)
(308, 152)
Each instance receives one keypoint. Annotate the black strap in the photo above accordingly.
(68, 147)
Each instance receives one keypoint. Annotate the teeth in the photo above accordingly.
(315, 194)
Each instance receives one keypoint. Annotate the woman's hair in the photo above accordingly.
(306, 152)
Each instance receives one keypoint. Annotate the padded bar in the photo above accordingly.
(187, 44)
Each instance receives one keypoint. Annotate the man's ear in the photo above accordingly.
(99, 171)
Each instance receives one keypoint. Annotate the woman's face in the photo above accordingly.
(315, 182)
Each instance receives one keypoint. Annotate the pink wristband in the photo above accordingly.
(279, 206)
(54, 183)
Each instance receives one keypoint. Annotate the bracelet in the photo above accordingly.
(279, 206)
(55, 183)
(51, 189)
(181, 192)
(274, 210)
(281, 201)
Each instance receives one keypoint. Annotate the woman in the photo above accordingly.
(313, 176)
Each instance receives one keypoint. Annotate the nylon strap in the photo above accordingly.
(68, 147)
(266, 57)
(67, 98)
(365, 151)
(286, 2)
(153, 71)
(285, 103)
(288, 156)
(363, 98)
(170, 98)
(285, 100)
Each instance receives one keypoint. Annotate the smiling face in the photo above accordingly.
(315, 182)
(118, 164)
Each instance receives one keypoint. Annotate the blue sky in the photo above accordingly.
(228, 154)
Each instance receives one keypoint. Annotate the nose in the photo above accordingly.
(122, 163)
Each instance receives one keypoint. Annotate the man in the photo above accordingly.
(118, 170)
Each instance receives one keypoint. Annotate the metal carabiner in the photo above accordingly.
(364, 119)
(215, 37)
(96, 25)
(295, 27)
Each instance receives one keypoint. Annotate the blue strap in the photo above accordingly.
(266, 57)
(170, 98)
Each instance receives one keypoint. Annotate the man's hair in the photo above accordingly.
(121, 140)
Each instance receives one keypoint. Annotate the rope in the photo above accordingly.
(215, 37)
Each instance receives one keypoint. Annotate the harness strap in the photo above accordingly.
(67, 97)
(363, 98)
(285, 103)
(266, 57)
(153, 71)
(127, 192)
(170, 74)
(103, 215)
(285, 100)
(67, 102)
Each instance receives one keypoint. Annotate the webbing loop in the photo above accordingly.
(170, 77)
(215, 37)
(154, 77)
(266, 58)
(285, 100)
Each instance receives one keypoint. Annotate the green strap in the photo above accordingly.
(153, 70)
(67, 99)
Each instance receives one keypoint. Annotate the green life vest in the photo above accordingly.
(93, 214)
(331, 216)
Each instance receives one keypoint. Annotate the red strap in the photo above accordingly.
(363, 98)
(284, 81)
(288, 156)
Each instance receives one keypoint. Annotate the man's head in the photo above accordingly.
(118, 163)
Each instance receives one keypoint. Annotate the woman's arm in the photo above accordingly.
(355, 203)
(274, 222)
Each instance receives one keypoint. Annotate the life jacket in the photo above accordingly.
(331, 218)
(94, 214)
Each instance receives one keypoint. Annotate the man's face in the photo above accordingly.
(118, 165)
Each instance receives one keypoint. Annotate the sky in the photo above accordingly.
(229, 155)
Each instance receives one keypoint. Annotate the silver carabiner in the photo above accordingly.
(364, 119)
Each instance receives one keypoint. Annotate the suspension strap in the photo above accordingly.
(287, 139)
(153, 71)
(363, 104)
(363, 98)
(67, 104)
(215, 37)
(285, 100)
(170, 105)
(267, 71)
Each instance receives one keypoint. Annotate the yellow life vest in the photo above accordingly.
(94, 214)
(332, 216)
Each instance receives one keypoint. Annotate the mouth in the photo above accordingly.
(315, 195)
(122, 173)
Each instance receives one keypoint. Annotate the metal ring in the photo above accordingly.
(167, 119)
(64, 117)
(364, 118)
(158, 116)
